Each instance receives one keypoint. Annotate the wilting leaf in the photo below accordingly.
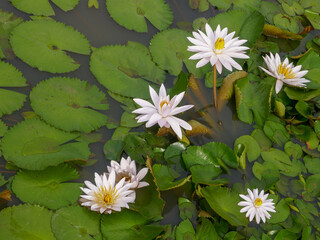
(225, 203)
(34, 145)
(131, 14)
(128, 224)
(42, 44)
(68, 104)
(76, 222)
(197, 128)
(47, 187)
(274, 31)
(123, 70)
(43, 7)
(26, 222)
(8, 21)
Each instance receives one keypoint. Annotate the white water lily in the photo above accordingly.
(162, 111)
(127, 169)
(257, 205)
(284, 72)
(218, 47)
(107, 195)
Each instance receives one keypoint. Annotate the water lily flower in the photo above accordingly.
(162, 111)
(218, 47)
(284, 72)
(257, 205)
(107, 195)
(127, 169)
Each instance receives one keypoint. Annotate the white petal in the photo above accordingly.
(175, 126)
(153, 120)
(279, 85)
(202, 62)
(143, 103)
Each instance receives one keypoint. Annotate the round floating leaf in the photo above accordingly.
(251, 147)
(43, 7)
(8, 21)
(282, 212)
(169, 51)
(26, 222)
(124, 70)
(42, 44)
(76, 222)
(131, 14)
(128, 224)
(68, 104)
(225, 203)
(10, 77)
(46, 187)
(185, 230)
(34, 145)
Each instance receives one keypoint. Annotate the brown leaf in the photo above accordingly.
(273, 31)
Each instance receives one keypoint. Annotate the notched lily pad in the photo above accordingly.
(43, 7)
(34, 145)
(47, 187)
(43, 44)
(69, 104)
(131, 14)
(124, 70)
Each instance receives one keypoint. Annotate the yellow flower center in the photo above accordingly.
(258, 202)
(163, 102)
(107, 196)
(219, 45)
(285, 71)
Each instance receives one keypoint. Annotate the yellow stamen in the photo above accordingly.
(285, 71)
(163, 102)
(219, 44)
(258, 202)
(108, 196)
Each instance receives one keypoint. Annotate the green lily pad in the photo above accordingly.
(131, 14)
(276, 157)
(282, 212)
(76, 222)
(293, 149)
(8, 21)
(128, 224)
(263, 141)
(206, 230)
(285, 234)
(314, 5)
(47, 187)
(10, 101)
(253, 99)
(124, 70)
(43, 7)
(43, 44)
(26, 222)
(2, 180)
(251, 147)
(196, 155)
(185, 230)
(225, 203)
(169, 50)
(269, 10)
(276, 132)
(313, 186)
(3, 128)
(301, 94)
(312, 164)
(205, 174)
(249, 5)
(286, 22)
(69, 104)
(137, 148)
(314, 18)
(34, 145)
(113, 149)
(187, 210)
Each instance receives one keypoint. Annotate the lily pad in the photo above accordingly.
(185, 230)
(237, 4)
(225, 203)
(43, 7)
(47, 187)
(34, 145)
(128, 224)
(282, 212)
(76, 222)
(124, 70)
(10, 101)
(43, 44)
(8, 21)
(131, 14)
(26, 222)
(276, 132)
(169, 50)
(251, 147)
(69, 104)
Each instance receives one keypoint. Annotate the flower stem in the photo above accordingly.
(214, 88)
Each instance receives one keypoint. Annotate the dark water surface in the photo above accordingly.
(100, 30)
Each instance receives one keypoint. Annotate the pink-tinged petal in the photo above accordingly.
(154, 96)
(279, 85)
(197, 42)
(162, 122)
(162, 92)
(143, 103)
(175, 126)
(182, 123)
(202, 62)
(145, 110)
(91, 186)
(219, 67)
(176, 100)
(153, 120)
(144, 118)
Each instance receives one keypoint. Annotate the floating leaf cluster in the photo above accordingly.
(54, 118)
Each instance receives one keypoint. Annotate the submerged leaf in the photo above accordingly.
(43, 7)
(76, 222)
(69, 104)
(132, 13)
(34, 145)
(124, 70)
(26, 222)
(47, 187)
(43, 44)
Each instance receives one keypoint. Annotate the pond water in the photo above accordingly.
(100, 29)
